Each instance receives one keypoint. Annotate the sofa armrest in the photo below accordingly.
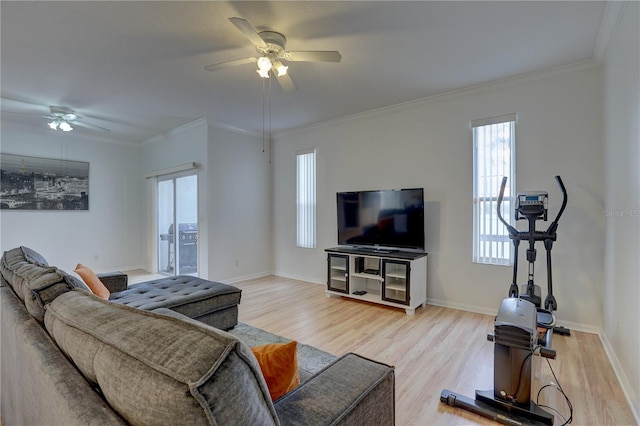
(351, 391)
(114, 281)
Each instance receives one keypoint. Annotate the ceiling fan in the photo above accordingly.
(270, 46)
(64, 119)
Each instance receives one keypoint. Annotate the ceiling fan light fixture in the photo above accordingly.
(263, 73)
(264, 63)
(282, 69)
(65, 126)
(60, 123)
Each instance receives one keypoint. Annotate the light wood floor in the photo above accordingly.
(435, 349)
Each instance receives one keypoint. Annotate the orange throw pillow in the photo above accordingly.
(279, 365)
(92, 280)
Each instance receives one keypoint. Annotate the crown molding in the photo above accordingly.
(220, 125)
(445, 96)
(174, 131)
(209, 122)
(608, 27)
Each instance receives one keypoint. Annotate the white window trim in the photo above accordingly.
(306, 214)
(497, 230)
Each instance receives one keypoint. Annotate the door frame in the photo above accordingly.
(176, 229)
(152, 212)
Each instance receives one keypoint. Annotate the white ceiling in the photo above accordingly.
(138, 67)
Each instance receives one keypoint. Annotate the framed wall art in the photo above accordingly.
(35, 183)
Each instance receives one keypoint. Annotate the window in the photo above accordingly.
(306, 198)
(493, 158)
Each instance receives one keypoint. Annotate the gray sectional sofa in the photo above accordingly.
(71, 358)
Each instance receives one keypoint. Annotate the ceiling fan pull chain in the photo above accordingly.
(269, 100)
(263, 112)
(269, 121)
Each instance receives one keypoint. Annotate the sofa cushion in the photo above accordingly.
(10, 262)
(33, 256)
(150, 366)
(74, 279)
(279, 365)
(92, 281)
(35, 283)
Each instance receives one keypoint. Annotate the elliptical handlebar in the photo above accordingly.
(511, 229)
(554, 225)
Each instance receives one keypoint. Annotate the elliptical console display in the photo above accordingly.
(531, 204)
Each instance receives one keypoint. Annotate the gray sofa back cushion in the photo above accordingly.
(154, 368)
(35, 283)
(33, 256)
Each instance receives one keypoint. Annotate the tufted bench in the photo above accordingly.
(212, 303)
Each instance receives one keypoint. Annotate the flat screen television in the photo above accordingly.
(392, 218)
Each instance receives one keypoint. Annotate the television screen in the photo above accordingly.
(385, 218)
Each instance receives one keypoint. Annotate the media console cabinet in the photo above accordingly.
(393, 278)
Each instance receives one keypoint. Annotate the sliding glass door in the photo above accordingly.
(178, 223)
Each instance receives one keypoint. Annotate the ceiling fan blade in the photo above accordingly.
(249, 32)
(89, 126)
(11, 105)
(314, 56)
(17, 112)
(286, 83)
(59, 111)
(232, 63)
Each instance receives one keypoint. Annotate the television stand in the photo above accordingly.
(386, 277)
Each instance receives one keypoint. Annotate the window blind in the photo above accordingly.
(493, 158)
(306, 198)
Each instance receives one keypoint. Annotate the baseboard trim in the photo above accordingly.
(312, 280)
(121, 268)
(622, 378)
(479, 310)
(234, 280)
(462, 307)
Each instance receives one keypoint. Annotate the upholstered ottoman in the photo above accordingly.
(210, 302)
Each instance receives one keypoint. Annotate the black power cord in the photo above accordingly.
(519, 390)
(553, 385)
(557, 387)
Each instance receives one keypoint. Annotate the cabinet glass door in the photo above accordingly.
(338, 273)
(395, 281)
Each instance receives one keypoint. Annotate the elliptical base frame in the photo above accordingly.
(487, 406)
(533, 412)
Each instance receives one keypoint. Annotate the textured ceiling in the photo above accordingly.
(137, 68)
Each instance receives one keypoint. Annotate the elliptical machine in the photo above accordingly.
(532, 206)
(516, 327)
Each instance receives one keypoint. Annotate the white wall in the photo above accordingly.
(428, 144)
(622, 201)
(238, 206)
(106, 236)
(234, 209)
(234, 190)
